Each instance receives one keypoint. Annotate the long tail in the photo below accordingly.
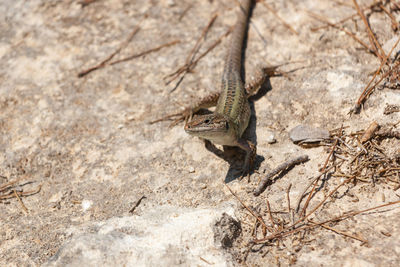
(234, 57)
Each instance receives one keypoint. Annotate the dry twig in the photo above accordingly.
(287, 25)
(339, 232)
(190, 67)
(284, 233)
(368, 90)
(311, 183)
(344, 19)
(372, 162)
(193, 52)
(252, 212)
(20, 201)
(369, 133)
(284, 166)
(137, 204)
(374, 42)
(151, 50)
(105, 61)
(352, 35)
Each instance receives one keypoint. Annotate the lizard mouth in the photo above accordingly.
(204, 129)
(207, 125)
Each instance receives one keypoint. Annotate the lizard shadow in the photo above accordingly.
(230, 154)
(234, 155)
(249, 134)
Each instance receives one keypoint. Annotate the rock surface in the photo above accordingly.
(89, 145)
(164, 236)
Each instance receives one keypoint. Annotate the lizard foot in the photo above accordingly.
(251, 154)
(187, 113)
(178, 117)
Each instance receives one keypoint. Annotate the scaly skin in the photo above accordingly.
(232, 114)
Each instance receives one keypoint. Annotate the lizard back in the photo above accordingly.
(233, 101)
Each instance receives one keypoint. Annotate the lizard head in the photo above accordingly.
(213, 127)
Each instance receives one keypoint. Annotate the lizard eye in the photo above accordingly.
(207, 121)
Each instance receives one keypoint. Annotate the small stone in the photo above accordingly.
(271, 139)
(169, 3)
(130, 117)
(86, 204)
(307, 134)
(191, 169)
(56, 197)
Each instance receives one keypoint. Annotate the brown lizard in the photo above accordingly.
(230, 119)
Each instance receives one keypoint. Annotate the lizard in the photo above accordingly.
(225, 126)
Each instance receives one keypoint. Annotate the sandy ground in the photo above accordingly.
(89, 145)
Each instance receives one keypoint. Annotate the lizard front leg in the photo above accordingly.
(251, 152)
(256, 81)
(206, 102)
